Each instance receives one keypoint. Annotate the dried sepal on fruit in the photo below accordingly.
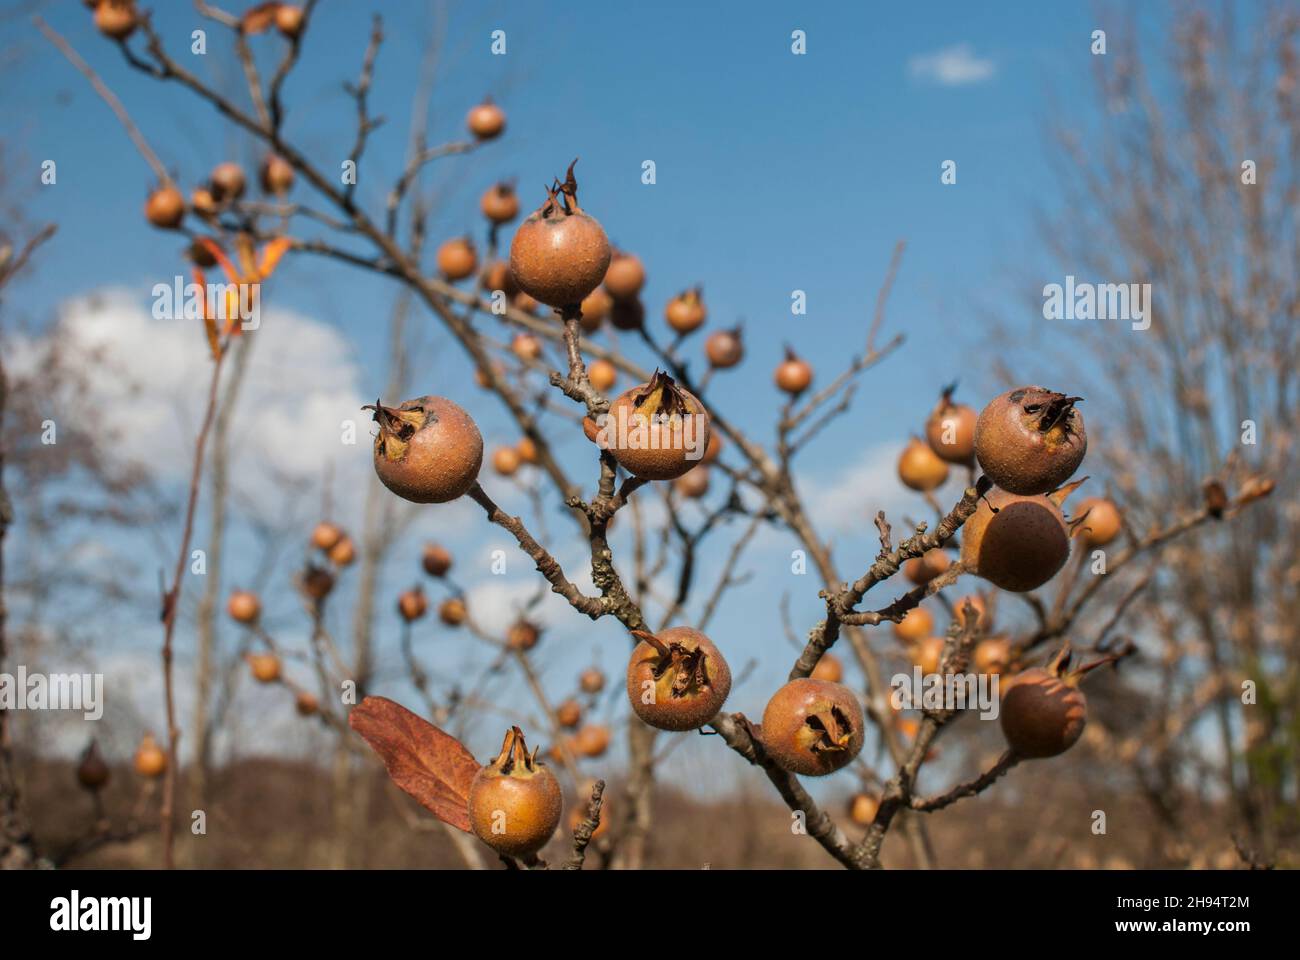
(1043, 711)
(676, 678)
(560, 253)
(812, 727)
(515, 801)
(1030, 440)
(428, 450)
(656, 431)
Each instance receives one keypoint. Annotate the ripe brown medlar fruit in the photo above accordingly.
(428, 450)
(265, 667)
(412, 604)
(227, 182)
(725, 348)
(602, 375)
(325, 535)
(592, 740)
(165, 208)
(526, 347)
(927, 566)
(316, 582)
(92, 772)
(568, 714)
(862, 808)
(595, 308)
(486, 120)
(992, 656)
(828, 668)
(522, 635)
(685, 312)
(793, 375)
(305, 703)
(515, 801)
(950, 430)
(343, 553)
(1020, 546)
(627, 314)
(525, 304)
(244, 606)
(506, 461)
(927, 654)
(497, 277)
(1030, 440)
(559, 254)
(1100, 522)
(276, 175)
(115, 18)
(713, 449)
(694, 483)
(150, 759)
(676, 679)
(436, 560)
(500, 203)
(527, 450)
(812, 727)
(658, 430)
(204, 204)
(625, 276)
(457, 259)
(288, 20)
(1043, 711)
(920, 468)
(591, 680)
(916, 625)
(452, 611)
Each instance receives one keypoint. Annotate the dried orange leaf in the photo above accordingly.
(259, 18)
(430, 765)
(271, 255)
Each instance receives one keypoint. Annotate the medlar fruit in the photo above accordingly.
(625, 276)
(658, 430)
(927, 566)
(793, 375)
(676, 679)
(436, 560)
(694, 483)
(812, 727)
(568, 714)
(1100, 522)
(560, 253)
(724, 348)
(1042, 713)
(1020, 546)
(486, 120)
(592, 740)
(244, 606)
(500, 203)
(916, 625)
(227, 182)
(950, 430)
(1030, 440)
(685, 312)
(342, 553)
(428, 450)
(457, 259)
(828, 668)
(115, 18)
(276, 175)
(602, 375)
(595, 308)
(265, 667)
(92, 772)
(452, 611)
(591, 680)
(920, 468)
(325, 536)
(522, 635)
(150, 759)
(515, 801)
(412, 604)
(165, 208)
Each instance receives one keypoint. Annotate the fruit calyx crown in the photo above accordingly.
(397, 425)
(1048, 407)
(689, 668)
(832, 728)
(661, 397)
(562, 197)
(514, 760)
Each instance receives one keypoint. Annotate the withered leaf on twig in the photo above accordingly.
(259, 18)
(430, 765)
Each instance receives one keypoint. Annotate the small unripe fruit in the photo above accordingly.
(288, 20)
(927, 566)
(1042, 714)
(560, 253)
(685, 312)
(627, 314)
(829, 668)
(227, 182)
(812, 727)
(276, 175)
(1030, 440)
(515, 801)
(916, 625)
(500, 203)
(595, 308)
(428, 450)
(165, 208)
(305, 704)
(486, 121)
(724, 348)
(676, 679)
(591, 680)
(436, 560)
(526, 347)
(927, 654)
(412, 604)
(325, 535)
(243, 606)
(505, 461)
(602, 374)
(950, 430)
(658, 430)
(1018, 548)
(457, 259)
(1101, 522)
(265, 667)
(992, 655)
(862, 809)
(694, 483)
(92, 772)
(625, 276)
(452, 612)
(343, 553)
(920, 469)
(522, 635)
(568, 714)
(592, 740)
(115, 18)
(150, 760)
(793, 375)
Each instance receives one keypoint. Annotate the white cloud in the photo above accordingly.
(954, 66)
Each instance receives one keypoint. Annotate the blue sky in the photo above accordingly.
(775, 172)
